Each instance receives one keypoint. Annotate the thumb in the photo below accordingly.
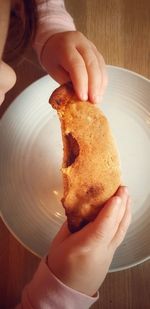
(105, 224)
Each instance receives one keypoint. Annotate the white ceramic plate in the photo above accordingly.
(31, 155)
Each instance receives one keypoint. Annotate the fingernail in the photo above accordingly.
(126, 189)
(97, 99)
(118, 200)
(84, 97)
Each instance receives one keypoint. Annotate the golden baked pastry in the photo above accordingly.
(91, 167)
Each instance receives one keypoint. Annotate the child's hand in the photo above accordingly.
(81, 260)
(71, 56)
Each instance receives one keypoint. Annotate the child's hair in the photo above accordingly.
(21, 30)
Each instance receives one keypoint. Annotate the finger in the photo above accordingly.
(75, 66)
(102, 228)
(59, 74)
(104, 76)
(93, 71)
(102, 66)
(123, 226)
(122, 192)
(61, 235)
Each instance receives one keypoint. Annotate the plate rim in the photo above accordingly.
(113, 270)
(129, 71)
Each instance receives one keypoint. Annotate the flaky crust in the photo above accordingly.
(91, 167)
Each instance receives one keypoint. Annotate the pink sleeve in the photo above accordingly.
(52, 18)
(47, 291)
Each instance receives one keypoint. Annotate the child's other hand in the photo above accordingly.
(71, 56)
(81, 260)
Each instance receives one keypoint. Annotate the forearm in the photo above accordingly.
(46, 291)
(52, 18)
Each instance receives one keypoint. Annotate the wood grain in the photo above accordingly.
(120, 30)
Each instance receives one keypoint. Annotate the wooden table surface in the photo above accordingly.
(121, 31)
